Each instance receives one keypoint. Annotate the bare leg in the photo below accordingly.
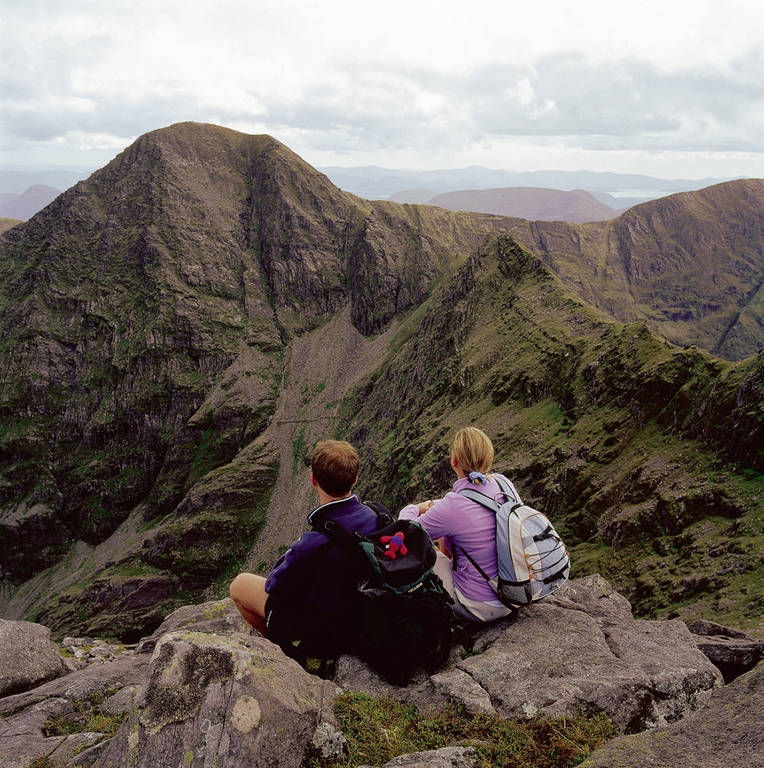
(247, 590)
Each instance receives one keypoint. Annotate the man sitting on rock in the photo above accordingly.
(309, 589)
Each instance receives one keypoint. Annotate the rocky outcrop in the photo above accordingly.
(227, 696)
(732, 651)
(581, 647)
(38, 724)
(219, 617)
(727, 733)
(28, 655)
(230, 700)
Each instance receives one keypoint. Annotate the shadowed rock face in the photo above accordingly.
(725, 733)
(733, 652)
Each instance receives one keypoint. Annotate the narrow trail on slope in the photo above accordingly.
(321, 367)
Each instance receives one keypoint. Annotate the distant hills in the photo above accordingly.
(532, 203)
(179, 329)
(373, 182)
(15, 179)
(28, 203)
(615, 191)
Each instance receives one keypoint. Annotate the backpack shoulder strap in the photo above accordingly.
(505, 487)
(383, 513)
(330, 528)
(477, 567)
(480, 498)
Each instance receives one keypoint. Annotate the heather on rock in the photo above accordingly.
(178, 330)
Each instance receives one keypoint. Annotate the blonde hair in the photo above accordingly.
(473, 450)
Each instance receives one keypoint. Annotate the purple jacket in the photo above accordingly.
(466, 525)
(314, 574)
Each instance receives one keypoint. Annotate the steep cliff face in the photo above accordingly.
(144, 318)
(691, 266)
(645, 455)
(179, 329)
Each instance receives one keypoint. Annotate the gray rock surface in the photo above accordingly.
(447, 757)
(731, 650)
(218, 616)
(581, 647)
(728, 733)
(328, 742)
(98, 679)
(228, 696)
(24, 715)
(28, 656)
(81, 651)
(225, 700)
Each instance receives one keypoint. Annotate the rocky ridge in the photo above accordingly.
(689, 265)
(205, 690)
(178, 330)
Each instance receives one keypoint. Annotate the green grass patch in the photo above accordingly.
(87, 716)
(298, 450)
(42, 762)
(378, 730)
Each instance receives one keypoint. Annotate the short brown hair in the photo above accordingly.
(473, 450)
(335, 467)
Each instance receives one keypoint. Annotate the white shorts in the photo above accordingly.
(472, 610)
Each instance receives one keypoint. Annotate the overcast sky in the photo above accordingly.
(671, 88)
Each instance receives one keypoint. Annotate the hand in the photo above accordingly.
(423, 506)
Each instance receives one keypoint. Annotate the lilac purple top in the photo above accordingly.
(466, 525)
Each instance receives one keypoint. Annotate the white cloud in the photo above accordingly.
(426, 82)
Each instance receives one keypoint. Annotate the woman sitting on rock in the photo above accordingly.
(465, 526)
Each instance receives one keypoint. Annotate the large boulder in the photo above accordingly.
(727, 733)
(220, 617)
(29, 656)
(25, 718)
(221, 700)
(580, 648)
(730, 650)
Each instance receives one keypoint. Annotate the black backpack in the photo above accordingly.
(402, 618)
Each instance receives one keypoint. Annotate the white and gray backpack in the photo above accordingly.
(531, 557)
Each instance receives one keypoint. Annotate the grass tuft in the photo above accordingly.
(378, 730)
(86, 717)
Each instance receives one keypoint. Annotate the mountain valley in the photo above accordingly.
(180, 328)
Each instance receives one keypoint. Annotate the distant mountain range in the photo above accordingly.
(28, 203)
(417, 186)
(178, 330)
(532, 203)
(615, 190)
